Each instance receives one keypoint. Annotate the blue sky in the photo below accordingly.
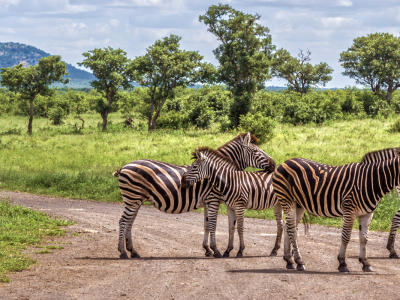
(69, 28)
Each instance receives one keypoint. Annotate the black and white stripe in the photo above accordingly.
(240, 190)
(379, 156)
(160, 183)
(352, 191)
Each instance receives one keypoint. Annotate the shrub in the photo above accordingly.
(172, 120)
(395, 127)
(259, 125)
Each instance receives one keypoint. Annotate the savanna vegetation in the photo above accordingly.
(81, 136)
(21, 228)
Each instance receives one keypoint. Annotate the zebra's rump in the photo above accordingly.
(160, 183)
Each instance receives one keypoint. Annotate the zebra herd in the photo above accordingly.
(298, 185)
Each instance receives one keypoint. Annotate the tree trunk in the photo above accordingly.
(83, 121)
(149, 127)
(389, 96)
(153, 123)
(104, 116)
(30, 116)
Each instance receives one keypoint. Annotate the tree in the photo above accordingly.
(300, 74)
(244, 54)
(111, 68)
(165, 67)
(34, 80)
(374, 61)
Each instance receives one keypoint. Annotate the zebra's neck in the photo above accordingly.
(379, 178)
(233, 151)
(220, 177)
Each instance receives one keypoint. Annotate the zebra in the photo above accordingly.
(351, 191)
(241, 190)
(378, 156)
(160, 183)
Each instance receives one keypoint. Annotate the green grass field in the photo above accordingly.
(60, 161)
(21, 227)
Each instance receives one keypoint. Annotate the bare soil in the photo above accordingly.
(173, 265)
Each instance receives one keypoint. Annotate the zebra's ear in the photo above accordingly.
(198, 153)
(247, 139)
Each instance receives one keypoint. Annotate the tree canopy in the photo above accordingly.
(34, 80)
(374, 61)
(112, 70)
(300, 74)
(244, 53)
(165, 67)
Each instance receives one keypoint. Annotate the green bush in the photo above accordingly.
(259, 125)
(395, 127)
(172, 120)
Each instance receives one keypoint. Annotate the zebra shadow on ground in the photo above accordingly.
(172, 258)
(284, 271)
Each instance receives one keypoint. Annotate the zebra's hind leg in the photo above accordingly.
(206, 244)
(240, 226)
(287, 250)
(213, 207)
(280, 223)
(125, 227)
(291, 218)
(364, 222)
(232, 224)
(348, 221)
(392, 235)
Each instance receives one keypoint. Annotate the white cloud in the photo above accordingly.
(344, 3)
(336, 22)
(114, 22)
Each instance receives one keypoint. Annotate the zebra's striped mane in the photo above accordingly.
(381, 155)
(217, 154)
(254, 139)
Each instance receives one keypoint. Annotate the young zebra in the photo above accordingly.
(352, 191)
(378, 156)
(160, 183)
(241, 190)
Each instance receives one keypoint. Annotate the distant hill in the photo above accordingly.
(12, 54)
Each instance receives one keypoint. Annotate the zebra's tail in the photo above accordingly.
(307, 218)
(116, 173)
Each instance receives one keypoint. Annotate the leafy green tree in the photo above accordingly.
(244, 54)
(111, 68)
(165, 67)
(374, 61)
(299, 73)
(34, 80)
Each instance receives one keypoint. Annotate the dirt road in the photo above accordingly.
(173, 265)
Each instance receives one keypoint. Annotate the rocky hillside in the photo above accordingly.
(12, 54)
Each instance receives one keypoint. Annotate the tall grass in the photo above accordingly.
(61, 161)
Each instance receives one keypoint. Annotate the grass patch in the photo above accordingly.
(21, 227)
(61, 161)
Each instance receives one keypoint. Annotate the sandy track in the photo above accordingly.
(173, 265)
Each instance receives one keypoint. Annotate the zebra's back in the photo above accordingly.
(160, 183)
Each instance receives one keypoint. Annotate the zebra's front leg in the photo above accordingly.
(392, 235)
(206, 244)
(291, 219)
(213, 207)
(125, 235)
(348, 221)
(364, 222)
(232, 224)
(239, 210)
(278, 212)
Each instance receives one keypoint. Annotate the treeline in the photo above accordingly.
(209, 106)
(247, 59)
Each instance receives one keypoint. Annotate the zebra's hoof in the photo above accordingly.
(290, 266)
(274, 253)
(217, 255)
(367, 269)
(135, 255)
(209, 253)
(301, 267)
(394, 256)
(239, 255)
(124, 256)
(343, 269)
(226, 254)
